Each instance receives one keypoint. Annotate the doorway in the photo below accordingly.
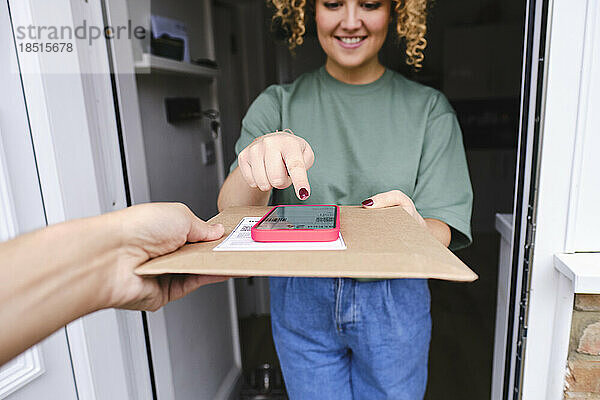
(474, 57)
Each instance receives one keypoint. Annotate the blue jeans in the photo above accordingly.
(343, 339)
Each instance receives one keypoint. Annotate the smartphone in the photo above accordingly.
(298, 223)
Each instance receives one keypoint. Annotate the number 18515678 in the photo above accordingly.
(49, 47)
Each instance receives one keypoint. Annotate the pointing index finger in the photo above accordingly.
(294, 162)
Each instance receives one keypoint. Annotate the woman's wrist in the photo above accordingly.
(440, 230)
(236, 192)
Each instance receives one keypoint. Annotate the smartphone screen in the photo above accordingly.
(305, 217)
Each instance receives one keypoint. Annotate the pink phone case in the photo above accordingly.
(297, 235)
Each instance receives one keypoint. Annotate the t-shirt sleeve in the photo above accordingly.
(263, 116)
(443, 189)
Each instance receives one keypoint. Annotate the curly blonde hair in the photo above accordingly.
(411, 24)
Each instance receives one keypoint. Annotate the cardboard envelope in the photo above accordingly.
(381, 243)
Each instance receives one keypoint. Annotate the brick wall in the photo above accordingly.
(583, 365)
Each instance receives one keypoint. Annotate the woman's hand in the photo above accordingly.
(439, 229)
(394, 198)
(148, 231)
(277, 160)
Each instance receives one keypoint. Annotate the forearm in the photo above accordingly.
(50, 277)
(236, 192)
(439, 230)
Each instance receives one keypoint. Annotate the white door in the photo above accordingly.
(44, 371)
(64, 140)
(86, 135)
(89, 158)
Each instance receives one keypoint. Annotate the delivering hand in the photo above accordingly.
(54, 275)
(277, 160)
(150, 230)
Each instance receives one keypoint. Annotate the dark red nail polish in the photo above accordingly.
(367, 203)
(303, 193)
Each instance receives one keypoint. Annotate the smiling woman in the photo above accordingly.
(351, 34)
(368, 135)
(410, 17)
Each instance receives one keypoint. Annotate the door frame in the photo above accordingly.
(552, 198)
(532, 94)
(72, 113)
(567, 120)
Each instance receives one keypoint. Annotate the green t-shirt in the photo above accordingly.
(389, 134)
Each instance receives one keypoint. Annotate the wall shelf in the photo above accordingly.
(151, 63)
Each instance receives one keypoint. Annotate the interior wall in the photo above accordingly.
(200, 345)
(246, 65)
(198, 326)
(466, 13)
(231, 103)
(175, 170)
(474, 57)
